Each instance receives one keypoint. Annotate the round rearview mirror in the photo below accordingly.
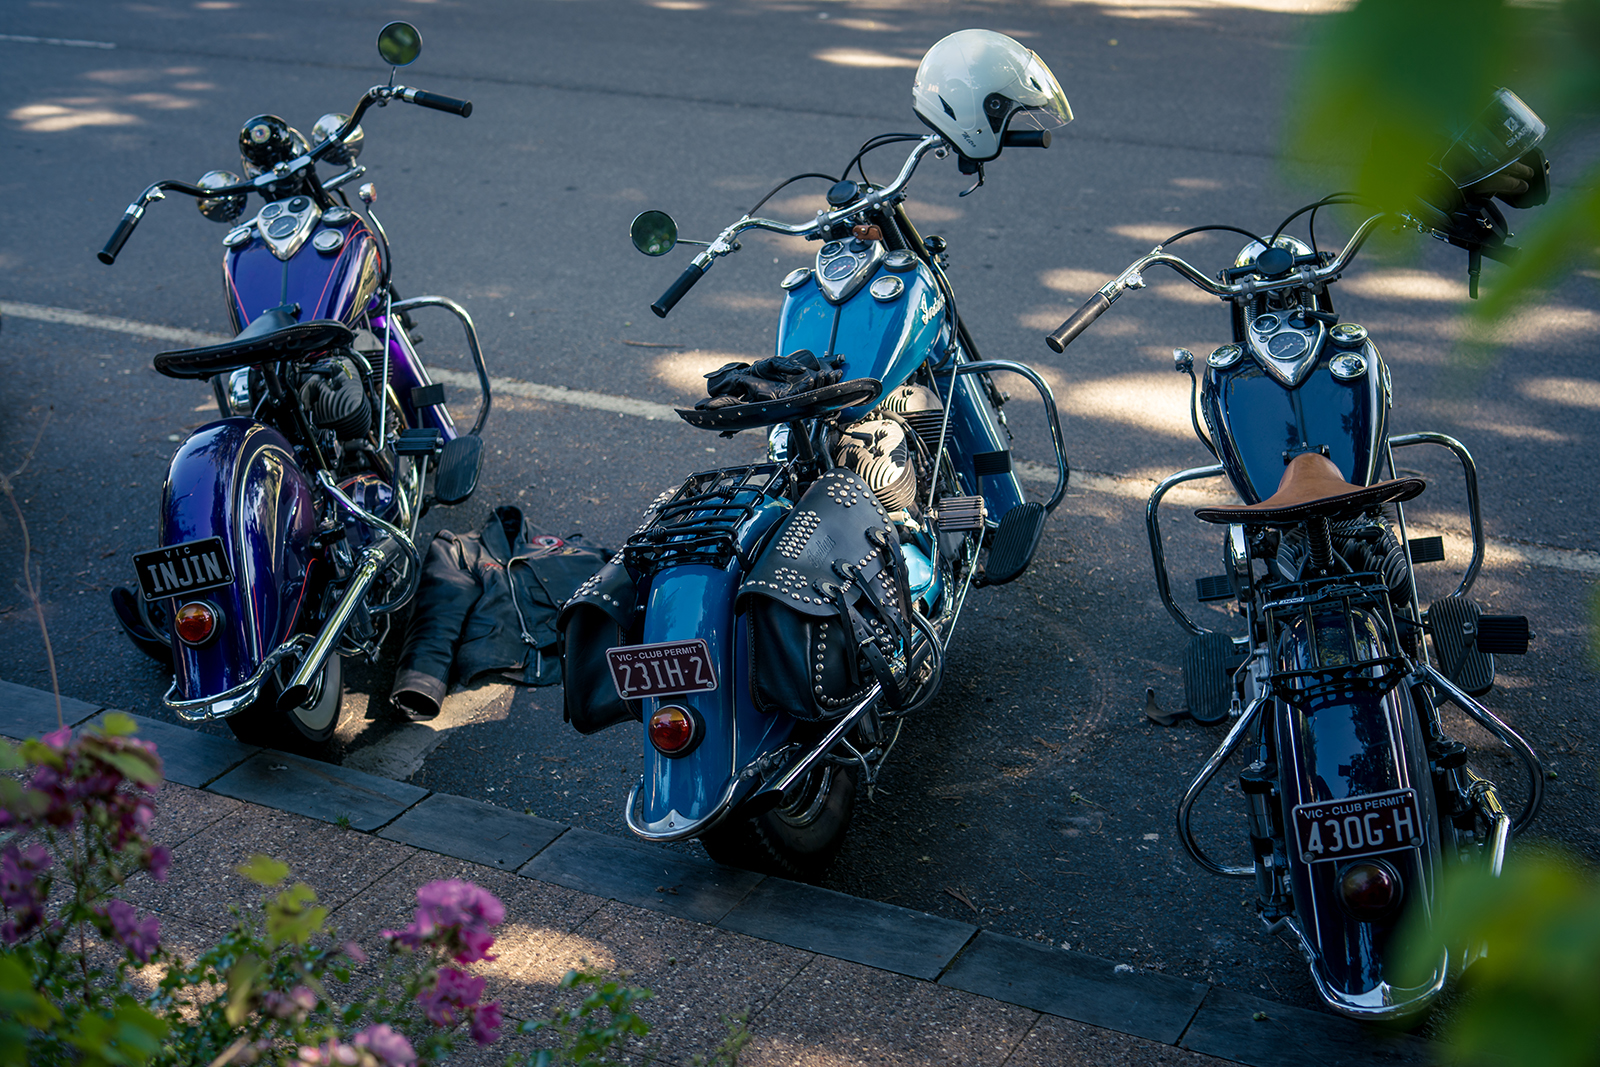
(654, 233)
(399, 44)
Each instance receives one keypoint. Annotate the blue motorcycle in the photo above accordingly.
(1358, 800)
(774, 626)
(287, 526)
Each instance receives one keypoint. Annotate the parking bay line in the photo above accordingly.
(1458, 545)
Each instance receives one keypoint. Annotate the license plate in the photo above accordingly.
(670, 668)
(179, 570)
(1358, 826)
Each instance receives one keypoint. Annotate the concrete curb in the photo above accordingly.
(1176, 1012)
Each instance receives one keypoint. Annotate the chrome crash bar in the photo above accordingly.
(1063, 468)
(1158, 554)
(400, 307)
(1203, 779)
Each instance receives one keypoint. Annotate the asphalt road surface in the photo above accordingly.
(1033, 796)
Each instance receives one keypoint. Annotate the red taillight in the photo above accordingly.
(671, 730)
(195, 622)
(1370, 891)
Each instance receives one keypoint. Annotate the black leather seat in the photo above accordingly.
(272, 336)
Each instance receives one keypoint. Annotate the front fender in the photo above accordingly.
(238, 480)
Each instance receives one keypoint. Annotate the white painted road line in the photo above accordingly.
(1496, 552)
(106, 322)
(622, 405)
(64, 42)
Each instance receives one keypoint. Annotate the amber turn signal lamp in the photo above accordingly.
(672, 730)
(195, 622)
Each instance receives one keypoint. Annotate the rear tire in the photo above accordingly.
(798, 838)
(312, 722)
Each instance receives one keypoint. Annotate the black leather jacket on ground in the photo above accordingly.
(488, 603)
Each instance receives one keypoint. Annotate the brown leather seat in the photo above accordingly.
(1312, 487)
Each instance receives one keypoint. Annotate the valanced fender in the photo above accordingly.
(237, 480)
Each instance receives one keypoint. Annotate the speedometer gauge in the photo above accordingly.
(839, 269)
(1286, 345)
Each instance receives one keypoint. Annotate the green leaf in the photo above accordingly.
(241, 984)
(141, 767)
(117, 724)
(263, 870)
(291, 919)
(19, 1001)
(10, 757)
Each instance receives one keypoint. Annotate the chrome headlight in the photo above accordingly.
(220, 208)
(345, 152)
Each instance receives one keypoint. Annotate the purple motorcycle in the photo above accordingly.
(287, 526)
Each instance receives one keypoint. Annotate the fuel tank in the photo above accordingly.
(885, 330)
(331, 266)
(1258, 424)
(238, 480)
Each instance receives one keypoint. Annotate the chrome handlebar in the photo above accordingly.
(727, 240)
(1132, 277)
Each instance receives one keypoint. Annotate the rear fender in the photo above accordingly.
(1343, 747)
(696, 601)
(237, 479)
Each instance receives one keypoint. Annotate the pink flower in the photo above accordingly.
(140, 938)
(486, 1022)
(452, 990)
(328, 1054)
(454, 916)
(295, 1004)
(353, 950)
(387, 1044)
(159, 860)
(22, 891)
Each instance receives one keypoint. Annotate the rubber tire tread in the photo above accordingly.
(770, 845)
(263, 724)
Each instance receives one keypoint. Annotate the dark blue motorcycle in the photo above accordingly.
(1357, 798)
(287, 526)
(775, 626)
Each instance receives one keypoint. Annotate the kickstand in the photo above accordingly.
(1153, 712)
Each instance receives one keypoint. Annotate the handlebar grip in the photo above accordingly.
(1025, 139)
(685, 282)
(119, 237)
(439, 102)
(1079, 322)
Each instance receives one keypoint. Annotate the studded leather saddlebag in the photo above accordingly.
(600, 615)
(826, 605)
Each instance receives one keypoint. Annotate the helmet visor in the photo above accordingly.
(1501, 134)
(1045, 104)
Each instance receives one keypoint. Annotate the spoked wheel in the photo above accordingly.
(799, 837)
(314, 721)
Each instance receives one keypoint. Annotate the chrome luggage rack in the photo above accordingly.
(701, 522)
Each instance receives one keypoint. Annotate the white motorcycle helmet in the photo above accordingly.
(971, 85)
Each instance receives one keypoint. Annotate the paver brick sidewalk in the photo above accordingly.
(805, 1007)
(827, 979)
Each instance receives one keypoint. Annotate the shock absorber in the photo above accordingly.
(1321, 536)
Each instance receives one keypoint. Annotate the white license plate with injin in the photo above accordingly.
(669, 668)
(1358, 826)
(179, 570)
